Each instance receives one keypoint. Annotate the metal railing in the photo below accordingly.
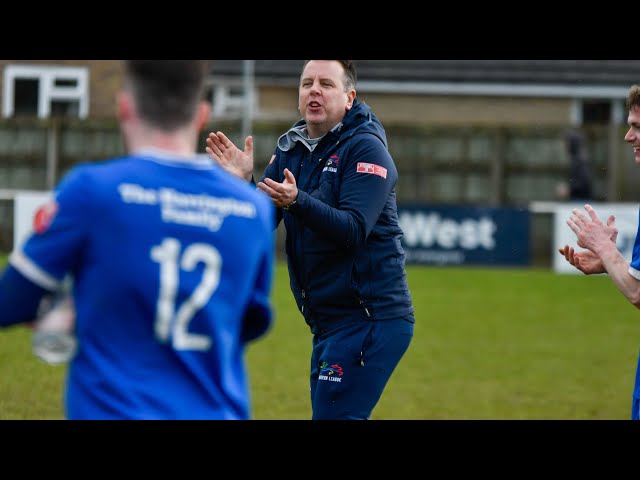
(469, 166)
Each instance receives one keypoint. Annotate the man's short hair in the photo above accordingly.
(633, 100)
(350, 74)
(167, 92)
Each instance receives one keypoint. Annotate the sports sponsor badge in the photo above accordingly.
(44, 216)
(372, 168)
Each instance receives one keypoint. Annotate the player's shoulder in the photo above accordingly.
(97, 167)
(95, 177)
(223, 184)
(369, 147)
(239, 187)
(230, 186)
(263, 203)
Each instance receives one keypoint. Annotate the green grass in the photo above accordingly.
(489, 344)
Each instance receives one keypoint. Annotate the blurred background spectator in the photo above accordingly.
(580, 176)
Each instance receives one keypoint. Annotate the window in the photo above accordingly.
(596, 112)
(228, 99)
(45, 91)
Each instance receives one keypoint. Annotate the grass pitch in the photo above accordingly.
(501, 344)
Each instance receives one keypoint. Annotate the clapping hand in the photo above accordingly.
(588, 234)
(230, 157)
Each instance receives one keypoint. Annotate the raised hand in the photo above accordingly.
(230, 157)
(591, 232)
(586, 231)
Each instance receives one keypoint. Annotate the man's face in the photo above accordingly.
(633, 135)
(322, 100)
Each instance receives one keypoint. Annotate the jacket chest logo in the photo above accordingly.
(332, 164)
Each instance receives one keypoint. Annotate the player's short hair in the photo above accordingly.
(350, 74)
(633, 100)
(167, 92)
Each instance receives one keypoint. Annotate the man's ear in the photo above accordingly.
(125, 107)
(202, 117)
(350, 99)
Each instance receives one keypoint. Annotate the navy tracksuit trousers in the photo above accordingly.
(352, 362)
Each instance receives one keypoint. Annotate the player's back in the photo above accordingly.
(168, 258)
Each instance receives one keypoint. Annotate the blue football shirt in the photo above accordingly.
(171, 261)
(634, 270)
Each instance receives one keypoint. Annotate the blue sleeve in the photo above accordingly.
(19, 298)
(362, 197)
(66, 235)
(33, 270)
(258, 316)
(635, 257)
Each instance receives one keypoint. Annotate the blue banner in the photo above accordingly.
(457, 235)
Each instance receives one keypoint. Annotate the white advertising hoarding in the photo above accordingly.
(25, 205)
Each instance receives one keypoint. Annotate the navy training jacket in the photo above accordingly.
(343, 240)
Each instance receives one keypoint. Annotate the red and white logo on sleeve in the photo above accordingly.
(372, 168)
(44, 216)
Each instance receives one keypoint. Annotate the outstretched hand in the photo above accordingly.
(230, 157)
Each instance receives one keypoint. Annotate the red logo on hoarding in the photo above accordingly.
(372, 168)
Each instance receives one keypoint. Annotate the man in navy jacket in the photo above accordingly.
(333, 181)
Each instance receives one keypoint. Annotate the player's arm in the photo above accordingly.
(19, 298)
(618, 270)
(363, 194)
(259, 315)
(595, 236)
(41, 264)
